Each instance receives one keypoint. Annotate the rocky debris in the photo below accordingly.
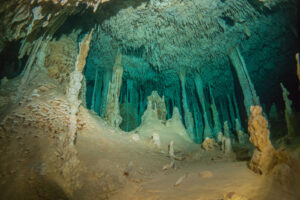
(205, 174)
(128, 169)
(233, 196)
(169, 166)
(209, 144)
(135, 137)
(179, 181)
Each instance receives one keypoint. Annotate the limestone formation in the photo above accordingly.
(215, 113)
(237, 60)
(288, 113)
(112, 112)
(159, 104)
(241, 135)
(171, 149)
(199, 86)
(264, 157)
(226, 141)
(188, 117)
(67, 141)
(176, 123)
(209, 144)
(156, 109)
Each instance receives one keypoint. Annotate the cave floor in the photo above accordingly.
(114, 165)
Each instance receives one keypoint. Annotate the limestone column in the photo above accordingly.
(188, 118)
(199, 86)
(215, 113)
(231, 110)
(112, 111)
(95, 90)
(250, 97)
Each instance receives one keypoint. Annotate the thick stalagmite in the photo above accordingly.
(264, 157)
(112, 112)
(188, 117)
(199, 86)
(250, 97)
(67, 141)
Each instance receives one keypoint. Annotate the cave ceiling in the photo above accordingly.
(161, 38)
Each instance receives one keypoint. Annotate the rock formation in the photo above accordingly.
(112, 112)
(241, 135)
(156, 109)
(237, 60)
(215, 113)
(67, 141)
(288, 113)
(264, 157)
(188, 117)
(226, 141)
(199, 86)
(61, 57)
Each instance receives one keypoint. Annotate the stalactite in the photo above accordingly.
(38, 47)
(199, 86)
(188, 118)
(95, 90)
(215, 113)
(106, 80)
(112, 111)
(237, 113)
(288, 112)
(250, 97)
(98, 96)
(231, 110)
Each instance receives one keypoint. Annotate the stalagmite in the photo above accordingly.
(216, 119)
(176, 123)
(199, 86)
(289, 118)
(250, 97)
(242, 137)
(226, 141)
(188, 117)
(112, 112)
(264, 157)
(67, 141)
(156, 109)
(83, 92)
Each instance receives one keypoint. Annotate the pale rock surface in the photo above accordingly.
(112, 112)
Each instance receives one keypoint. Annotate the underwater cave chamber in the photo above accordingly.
(210, 71)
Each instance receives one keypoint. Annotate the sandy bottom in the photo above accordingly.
(115, 166)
